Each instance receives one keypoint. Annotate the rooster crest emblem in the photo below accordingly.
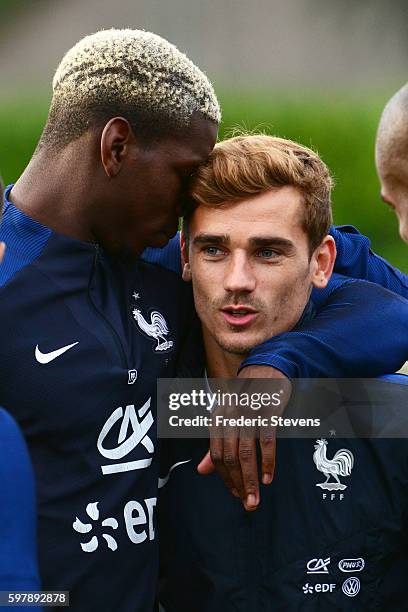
(157, 328)
(341, 465)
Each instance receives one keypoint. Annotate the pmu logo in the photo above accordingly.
(133, 430)
(352, 565)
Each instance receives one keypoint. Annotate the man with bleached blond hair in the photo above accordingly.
(131, 118)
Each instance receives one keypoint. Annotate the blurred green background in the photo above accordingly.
(315, 71)
(340, 127)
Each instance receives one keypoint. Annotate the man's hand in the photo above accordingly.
(233, 451)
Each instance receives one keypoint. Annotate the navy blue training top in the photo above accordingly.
(83, 339)
(310, 545)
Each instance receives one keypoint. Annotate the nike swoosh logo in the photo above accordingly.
(48, 357)
(165, 480)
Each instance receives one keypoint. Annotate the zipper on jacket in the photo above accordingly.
(107, 323)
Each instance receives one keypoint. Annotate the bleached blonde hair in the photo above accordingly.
(131, 73)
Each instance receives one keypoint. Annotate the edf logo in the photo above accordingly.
(318, 588)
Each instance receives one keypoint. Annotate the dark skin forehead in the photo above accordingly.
(191, 145)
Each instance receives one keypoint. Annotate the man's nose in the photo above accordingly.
(239, 275)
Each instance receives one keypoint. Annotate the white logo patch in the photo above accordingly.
(351, 565)
(318, 588)
(93, 513)
(126, 444)
(132, 377)
(318, 566)
(44, 358)
(351, 586)
(157, 329)
(341, 465)
(135, 514)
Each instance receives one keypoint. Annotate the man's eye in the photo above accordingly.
(267, 253)
(212, 251)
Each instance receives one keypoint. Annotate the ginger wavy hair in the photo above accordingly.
(247, 165)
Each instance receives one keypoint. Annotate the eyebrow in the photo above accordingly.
(256, 241)
(213, 238)
(276, 241)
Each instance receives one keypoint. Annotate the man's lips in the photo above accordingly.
(238, 316)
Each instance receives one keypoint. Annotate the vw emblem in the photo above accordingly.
(351, 586)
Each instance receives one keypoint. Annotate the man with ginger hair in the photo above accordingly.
(263, 167)
(255, 247)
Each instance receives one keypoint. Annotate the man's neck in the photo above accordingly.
(54, 191)
(220, 363)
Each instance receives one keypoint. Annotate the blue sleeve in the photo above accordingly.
(362, 331)
(18, 553)
(356, 260)
(169, 257)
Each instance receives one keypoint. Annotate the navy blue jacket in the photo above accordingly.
(305, 548)
(216, 557)
(82, 342)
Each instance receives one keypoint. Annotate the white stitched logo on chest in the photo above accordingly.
(45, 358)
(138, 423)
(156, 329)
(340, 465)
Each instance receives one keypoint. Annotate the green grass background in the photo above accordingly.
(340, 127)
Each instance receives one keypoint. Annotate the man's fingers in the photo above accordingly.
(232, 464)
(249, 470)
(268, 450)
(217, 457)
(206, 465)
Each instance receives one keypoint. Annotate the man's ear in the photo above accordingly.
(116, 138)
(323, 262)
(185, 258)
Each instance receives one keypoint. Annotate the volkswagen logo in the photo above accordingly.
(351, 586)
